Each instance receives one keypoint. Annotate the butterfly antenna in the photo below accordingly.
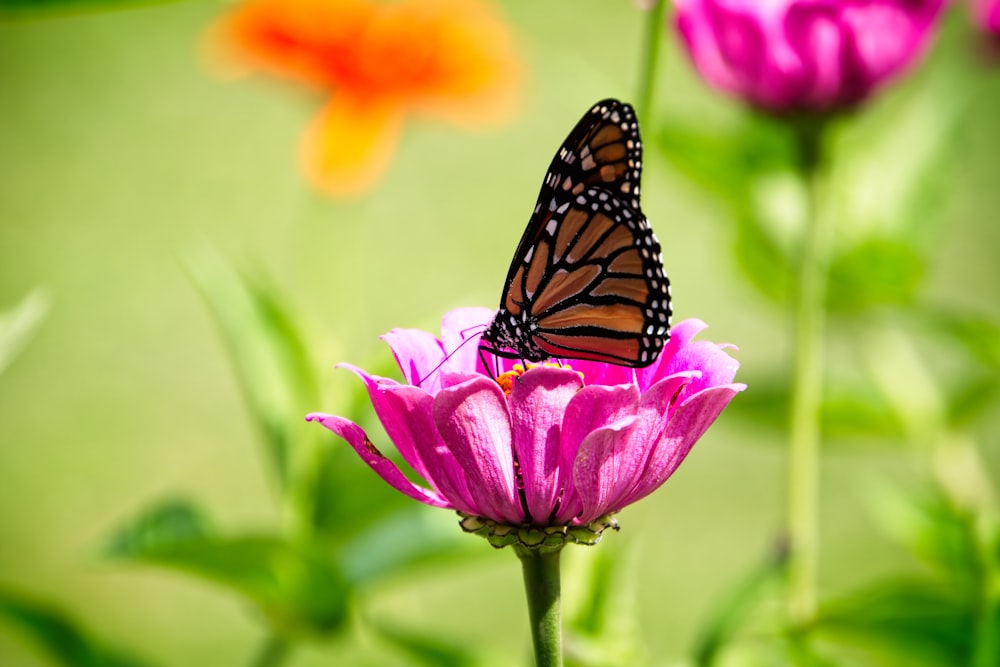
(450, 354)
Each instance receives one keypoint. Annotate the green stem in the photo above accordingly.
(541, 585)
(650, 59)
(807, 382)
(273, 653)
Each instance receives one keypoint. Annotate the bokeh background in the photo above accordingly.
(123, 153)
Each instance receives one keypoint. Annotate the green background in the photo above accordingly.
(121, 153)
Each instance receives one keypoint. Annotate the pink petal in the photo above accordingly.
(687, 424)
(680, 335)
(385, 468)
(714, 365)
(457, 327)
(418, 353)
(406, 414)
(473, 420)
(538, 401)
(591, 408)
(605, 469)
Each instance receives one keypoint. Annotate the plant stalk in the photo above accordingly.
(807, 385)
(541, 585)
(650, 59)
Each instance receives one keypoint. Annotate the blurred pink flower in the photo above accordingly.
(550, 446)
(804, 55)
(987, 14)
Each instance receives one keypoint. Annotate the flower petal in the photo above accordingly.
(407, 415)
(349, 145)
(385, 468)
(459, 325)
(473, 420)
(605, 469)
(538, 400)
(680, 335)
(688, 423)
(591, 408)
(417, 353)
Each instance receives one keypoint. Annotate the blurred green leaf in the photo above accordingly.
(407, 538)
(58, 635)
(874, 272)
(19, 323)
(268, 352)
(762, 259)
(927, 524)
(848, 410)
(298, 590)
(602, 629)
(975, 334)
(16, 8)
(724, 160)
(736, 610)
(431, 651)
(904, 622)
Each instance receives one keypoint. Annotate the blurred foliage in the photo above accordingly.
(340, 542)
(58, 635)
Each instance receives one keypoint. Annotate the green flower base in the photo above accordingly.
(543, 538)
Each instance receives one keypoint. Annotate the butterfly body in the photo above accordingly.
(587, 280)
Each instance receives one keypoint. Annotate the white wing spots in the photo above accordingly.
(562, 209)
(550, 227)
(581, 200)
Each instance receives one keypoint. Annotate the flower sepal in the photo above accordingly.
(542, 538)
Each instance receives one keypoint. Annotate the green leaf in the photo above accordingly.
(299, 591)
(735, 613)
(19, 323)
(62, 639)
(916, 622)
(269, 355)
(16, 8)
(874, 272)
(724, 161)
(925, 522)
(602, 627)
(424, 649)
(975, 334)
(849, 410)
(405, 539)
(762, 259)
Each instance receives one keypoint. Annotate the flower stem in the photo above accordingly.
(650, 58)
(541, 585)
(807, 382)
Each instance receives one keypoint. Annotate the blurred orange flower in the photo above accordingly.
(382, 61)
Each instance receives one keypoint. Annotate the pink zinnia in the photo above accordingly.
(551, 451)
(804, 55)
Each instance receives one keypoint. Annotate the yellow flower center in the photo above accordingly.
(507, 380)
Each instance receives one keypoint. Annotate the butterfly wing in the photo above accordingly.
(592, 286)
(602, 150)
(587, 280)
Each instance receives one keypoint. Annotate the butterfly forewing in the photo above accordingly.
(587, 280)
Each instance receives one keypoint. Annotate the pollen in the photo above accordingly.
(508, 379)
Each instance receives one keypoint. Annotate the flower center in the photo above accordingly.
(507, 380)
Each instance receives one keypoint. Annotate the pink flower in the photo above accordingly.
(987, 14)
(804, 55)
(547, 448)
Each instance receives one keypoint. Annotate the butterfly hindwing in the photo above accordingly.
(587, 280)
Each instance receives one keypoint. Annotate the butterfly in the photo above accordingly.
(587, 279)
